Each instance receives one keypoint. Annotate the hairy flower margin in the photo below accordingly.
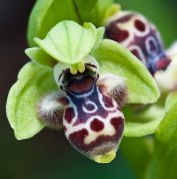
(81, 82)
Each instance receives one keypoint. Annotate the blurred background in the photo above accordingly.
(49, 155)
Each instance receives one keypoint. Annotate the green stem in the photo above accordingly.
(77, 12)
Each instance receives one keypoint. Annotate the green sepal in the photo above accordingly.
(111, 11)
(115, 59)
(39, 56)
(171, 100)
(46, 14)
(144, 122)
(99, 38)
(69, 42)
(164, 160)
(95, 11)
(135, 129)
(99, 12)
(34, 81)
(83, 8)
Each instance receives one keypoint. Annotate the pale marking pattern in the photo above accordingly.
(93, 135)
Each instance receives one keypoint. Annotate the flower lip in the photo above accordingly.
(159, 63)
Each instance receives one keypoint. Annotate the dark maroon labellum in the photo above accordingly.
(93, 122)
(89, 108)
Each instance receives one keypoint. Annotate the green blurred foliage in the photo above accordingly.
(163, 163)
(49, 155)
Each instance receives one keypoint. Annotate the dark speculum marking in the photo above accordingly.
(123, 35)
(103, 144)
(97, 125)
(117, 123)
(108, 101)
(115, 33)
(69, 114)
(140, 25)
(136, 53)
(77, 138)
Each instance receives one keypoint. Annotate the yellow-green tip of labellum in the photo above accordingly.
(105, 158)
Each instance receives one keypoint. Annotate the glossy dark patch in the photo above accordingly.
(108, 101)
(77, 138)
(140, 25)
(96, 125)
(117, 122)
(136, 53)
(69, 114)
(115, 33)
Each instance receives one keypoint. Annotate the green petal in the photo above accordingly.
(34, 81)
(113, 58)
(99, 12)
(134, 129)
(69, 42)
(164, 160)
(171, 100)
(84, 8)
(99, 38)
(142, 123)
(46, 14)
(95, 11)
(38, 56)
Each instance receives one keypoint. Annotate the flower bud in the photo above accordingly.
(141, 37)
